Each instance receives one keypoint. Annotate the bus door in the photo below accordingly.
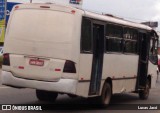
(143, 60)
(97, 63)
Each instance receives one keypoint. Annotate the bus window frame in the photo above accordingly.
(92, 22)
(153, 58)
(123, 40)
(130, 40)
(83, 51)
(110, 37)
(105, 37)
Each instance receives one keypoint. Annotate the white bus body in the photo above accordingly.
(43, 51)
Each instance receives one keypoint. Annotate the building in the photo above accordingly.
(2, 21)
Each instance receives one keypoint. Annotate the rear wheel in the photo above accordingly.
(46, 95)
(106, 94)
(72, 96)
(143, 94)
(105, 97)
(157, 75)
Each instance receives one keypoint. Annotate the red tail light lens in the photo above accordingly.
(6, 59)
(73, 11)
(69, 67)
(158, 62)
(17, 7)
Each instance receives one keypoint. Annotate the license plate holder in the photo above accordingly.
(36, 62)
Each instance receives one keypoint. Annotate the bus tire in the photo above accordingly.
(72, 96)
(106, 95)
(46, 95)
(157, 75)
(143, 94)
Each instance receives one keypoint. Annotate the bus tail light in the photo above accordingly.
(44, 7)
(69, 67)
(6, 59)
(73, 11)
(158, 62)
(17, 7)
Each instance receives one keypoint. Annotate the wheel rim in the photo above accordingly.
(146, 90)
(107, 95)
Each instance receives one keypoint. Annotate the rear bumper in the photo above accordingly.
(63, 85)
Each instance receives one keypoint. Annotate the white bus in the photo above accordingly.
(61, 49)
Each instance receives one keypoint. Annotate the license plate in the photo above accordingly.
(36, 62)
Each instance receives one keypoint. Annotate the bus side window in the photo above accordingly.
(86, 37)
(153, 50)
(114, 40)
(130, 41)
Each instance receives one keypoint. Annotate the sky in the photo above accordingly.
(135, 10)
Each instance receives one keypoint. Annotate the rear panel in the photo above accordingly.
(28, 67)
(40, 46)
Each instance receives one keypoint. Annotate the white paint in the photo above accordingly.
(85, 69)
(44, 30)
(148, 10)
(64, 85)
(152, 70)
(46, 72)
(54, 49)
(115, 20)
(4, 87)
(119, 65)
(65, 2)
(19, 1)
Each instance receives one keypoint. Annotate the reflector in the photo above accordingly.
(44, 7)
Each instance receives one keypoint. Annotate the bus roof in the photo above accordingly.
(116, 20)
(89, 14)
